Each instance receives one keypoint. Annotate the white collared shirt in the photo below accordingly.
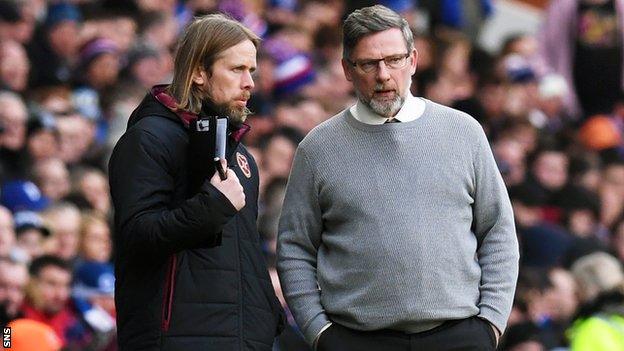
(412, 109)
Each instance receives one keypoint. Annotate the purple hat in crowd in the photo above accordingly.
(238, 11)
(95, 48)
(293, 69)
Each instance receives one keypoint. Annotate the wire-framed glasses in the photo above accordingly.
(392, 62)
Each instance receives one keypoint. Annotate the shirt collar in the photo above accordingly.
(412, 109)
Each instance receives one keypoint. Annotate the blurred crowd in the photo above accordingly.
(552, 105)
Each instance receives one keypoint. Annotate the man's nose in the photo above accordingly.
(247, 82)
(383, 73)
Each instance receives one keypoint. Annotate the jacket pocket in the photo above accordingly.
(168, 293)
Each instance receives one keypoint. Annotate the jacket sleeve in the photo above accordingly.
(299, 238)
(142, 185)
(493, 225)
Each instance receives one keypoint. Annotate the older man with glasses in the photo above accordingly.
(396, 231)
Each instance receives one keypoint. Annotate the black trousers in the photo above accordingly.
(470, 334)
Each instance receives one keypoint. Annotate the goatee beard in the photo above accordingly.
(386, 108)
(236, 115)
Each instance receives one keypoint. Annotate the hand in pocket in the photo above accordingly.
(324, 342)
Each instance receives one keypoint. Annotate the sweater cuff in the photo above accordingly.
(495, 318)
(315, 327)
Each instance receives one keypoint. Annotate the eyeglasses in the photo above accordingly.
(392, 62)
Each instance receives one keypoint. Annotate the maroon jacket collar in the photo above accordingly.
(159, 92)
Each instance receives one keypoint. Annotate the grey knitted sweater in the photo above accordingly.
(400, 226)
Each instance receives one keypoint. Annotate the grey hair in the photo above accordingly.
(371, 20)
(9, 95)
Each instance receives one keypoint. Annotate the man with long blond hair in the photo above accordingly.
(190, 274)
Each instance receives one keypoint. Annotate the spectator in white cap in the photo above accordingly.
(30, 233)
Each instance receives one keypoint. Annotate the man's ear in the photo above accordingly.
(414, 61)
(346, 67)
(199, 76)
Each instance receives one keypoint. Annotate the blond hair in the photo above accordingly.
(200, 46)
(597, 273)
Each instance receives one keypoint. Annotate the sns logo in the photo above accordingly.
(6, 337)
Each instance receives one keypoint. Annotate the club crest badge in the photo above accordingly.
(243, 164)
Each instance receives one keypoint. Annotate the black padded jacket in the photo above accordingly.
(190, 273)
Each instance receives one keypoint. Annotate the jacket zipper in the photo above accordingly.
(240, 287)
(234, 147)
(168, 293)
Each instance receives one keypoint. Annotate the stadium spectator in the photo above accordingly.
(47, 300)
(13, 280)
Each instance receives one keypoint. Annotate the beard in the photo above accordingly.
(236, 114)
(382, 107)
